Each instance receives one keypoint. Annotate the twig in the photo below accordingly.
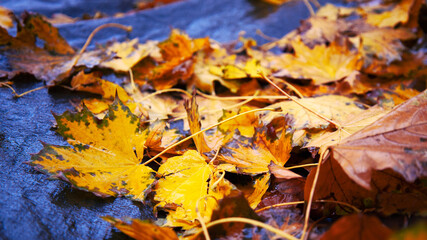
(16, 95)
(89, 39)
(240, 97)
(301, 202)
(252, 222)
(311, 196)
(303, 165)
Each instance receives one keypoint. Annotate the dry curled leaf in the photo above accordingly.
(397, 141)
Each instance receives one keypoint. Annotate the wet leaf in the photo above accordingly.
(102, 159)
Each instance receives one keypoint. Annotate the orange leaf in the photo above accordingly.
(357, 227)
(397, 141)
(142, 230)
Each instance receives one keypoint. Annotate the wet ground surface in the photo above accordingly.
(34, 207)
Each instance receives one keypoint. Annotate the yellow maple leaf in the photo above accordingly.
(186, 180)
(322, 64)
(105, 157)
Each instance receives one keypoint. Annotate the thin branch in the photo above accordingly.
(255, 223)
(301, 202)
(303, 165)
(89, 39)
(311, 196)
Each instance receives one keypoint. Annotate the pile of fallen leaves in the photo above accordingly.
(236, 140)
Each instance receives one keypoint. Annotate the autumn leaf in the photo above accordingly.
(254, 155)
(93, 83)
(195, 126)
(234, 205)
(186, 182)
(352, 124)
(204, 76)
(245, 124)
(383, 43)
(176, 61)
(105, 157)
(389, 193)
(142, 230)
(332, 107)
(392, 14)
(25, 56)
(396, 141)
(282, 191)
(6, 20)
(358, 227)
(127, 54)
(414, 232)
(260, 187)
(322, 64)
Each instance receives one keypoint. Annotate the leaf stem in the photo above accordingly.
(291, 87)
(301, 202)
(16, 95)
(311, 196)
(163, 91)
(252, 222)
(240, 97)
(310, 8)
(204, 130)
(303, 165)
